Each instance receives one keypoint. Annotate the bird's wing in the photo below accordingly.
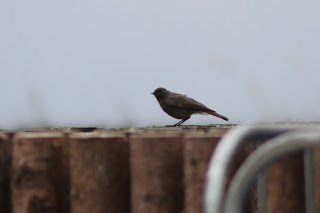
(184, 102)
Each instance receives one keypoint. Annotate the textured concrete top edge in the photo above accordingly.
(81, 135)
(155, 134)
(39, 135)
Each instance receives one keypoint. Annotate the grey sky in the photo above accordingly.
(96, 62)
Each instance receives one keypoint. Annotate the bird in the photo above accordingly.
(180, 106)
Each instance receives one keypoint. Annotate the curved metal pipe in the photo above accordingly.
(264, 155)
(222, 156)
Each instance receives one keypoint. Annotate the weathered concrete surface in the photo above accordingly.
(316, 178)
(39, 173)
(99, 173)
(156, 173)
(152, 169)
(197, 153)
(285, 185)
(5, 167)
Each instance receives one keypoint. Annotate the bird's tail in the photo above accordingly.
(217, 115)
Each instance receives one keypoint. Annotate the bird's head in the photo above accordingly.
(160, 92)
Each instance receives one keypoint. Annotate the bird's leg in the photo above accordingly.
(180, 122)
(177, 124)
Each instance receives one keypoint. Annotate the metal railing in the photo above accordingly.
(283, 139)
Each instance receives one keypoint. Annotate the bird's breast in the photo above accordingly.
(176, 112)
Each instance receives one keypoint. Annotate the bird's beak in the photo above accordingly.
(152, 93)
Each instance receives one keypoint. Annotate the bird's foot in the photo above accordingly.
(170, 125)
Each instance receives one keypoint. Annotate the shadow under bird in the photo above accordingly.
(180, 106)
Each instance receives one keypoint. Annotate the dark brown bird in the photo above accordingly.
(180, 106)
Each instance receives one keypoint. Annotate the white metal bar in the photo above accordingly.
(259, 159)
(222, 156)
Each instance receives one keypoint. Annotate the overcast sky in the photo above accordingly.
(95, 63)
